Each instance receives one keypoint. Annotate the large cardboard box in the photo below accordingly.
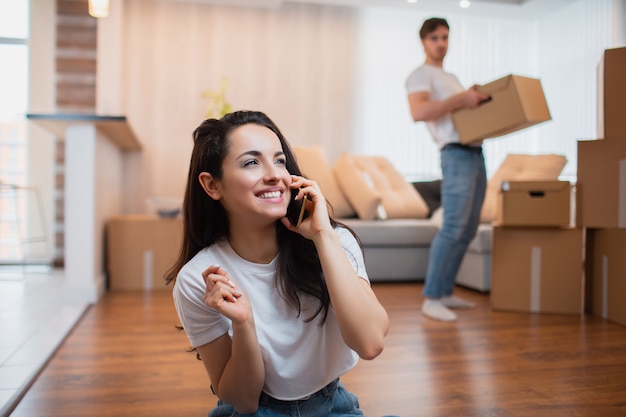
(516, 103)
(533, 203)
(537, 270)
(601, 184)
(606, 274)
(140, 249)
(612, 94)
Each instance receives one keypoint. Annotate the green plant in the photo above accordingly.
(218, 105)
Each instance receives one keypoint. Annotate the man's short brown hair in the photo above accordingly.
(430, 25)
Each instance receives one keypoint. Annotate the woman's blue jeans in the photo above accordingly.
(331, 401)
(462, 194)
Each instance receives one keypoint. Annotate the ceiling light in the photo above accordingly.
(464, 4)
(99, 8)
(411, 1)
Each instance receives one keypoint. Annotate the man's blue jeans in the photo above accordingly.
(462, 194)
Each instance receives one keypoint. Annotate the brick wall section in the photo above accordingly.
(76, 55)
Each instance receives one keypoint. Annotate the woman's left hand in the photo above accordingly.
(315, 206)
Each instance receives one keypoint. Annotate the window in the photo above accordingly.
(13, 104)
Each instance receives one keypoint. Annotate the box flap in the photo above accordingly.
(496, 86)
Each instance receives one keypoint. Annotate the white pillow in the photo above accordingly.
(363, 198)
(376, 189)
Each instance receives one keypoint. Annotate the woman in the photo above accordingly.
(277, 313)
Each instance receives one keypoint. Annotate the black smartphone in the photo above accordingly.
(296, 210)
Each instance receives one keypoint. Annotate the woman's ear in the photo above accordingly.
(210, 185)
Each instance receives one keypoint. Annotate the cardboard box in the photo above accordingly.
(606, 274)
(533, 203)
(516, 103)
(537, 270)
(601, 184)
(140, 249)
(611, 93)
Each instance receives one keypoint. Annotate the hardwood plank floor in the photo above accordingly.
(125, 358)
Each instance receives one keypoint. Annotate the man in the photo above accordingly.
(433, 95)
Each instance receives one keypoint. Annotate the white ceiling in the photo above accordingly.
(522, 9)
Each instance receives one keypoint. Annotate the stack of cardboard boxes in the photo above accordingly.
(601, 195)
(546, 260)
(537, 255)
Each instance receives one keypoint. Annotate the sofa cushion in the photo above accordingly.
(376, 189)
(315, 166)
(520, 167)
(393, 232)
(356, 188)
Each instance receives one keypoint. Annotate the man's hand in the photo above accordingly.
(472, 98)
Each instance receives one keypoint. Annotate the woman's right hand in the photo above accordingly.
(223, 294)
(318, 219)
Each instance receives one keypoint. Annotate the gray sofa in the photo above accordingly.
(397, 250)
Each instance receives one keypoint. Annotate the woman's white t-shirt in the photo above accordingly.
(300, 358)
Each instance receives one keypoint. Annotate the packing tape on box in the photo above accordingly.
(147, 270)
(605, 287)
(535, 279)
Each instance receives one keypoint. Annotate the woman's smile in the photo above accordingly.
(270, 195)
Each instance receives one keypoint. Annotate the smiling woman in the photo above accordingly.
(253, 290)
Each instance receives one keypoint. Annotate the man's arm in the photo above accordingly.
(425, 109)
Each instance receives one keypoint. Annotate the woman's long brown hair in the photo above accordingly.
(205, 221)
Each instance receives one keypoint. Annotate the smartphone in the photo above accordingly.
(296, 210)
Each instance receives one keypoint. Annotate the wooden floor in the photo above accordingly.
(125, 358)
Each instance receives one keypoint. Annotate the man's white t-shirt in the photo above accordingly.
(300, 358)
(441, 85)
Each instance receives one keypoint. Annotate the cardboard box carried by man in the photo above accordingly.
(515, 103)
